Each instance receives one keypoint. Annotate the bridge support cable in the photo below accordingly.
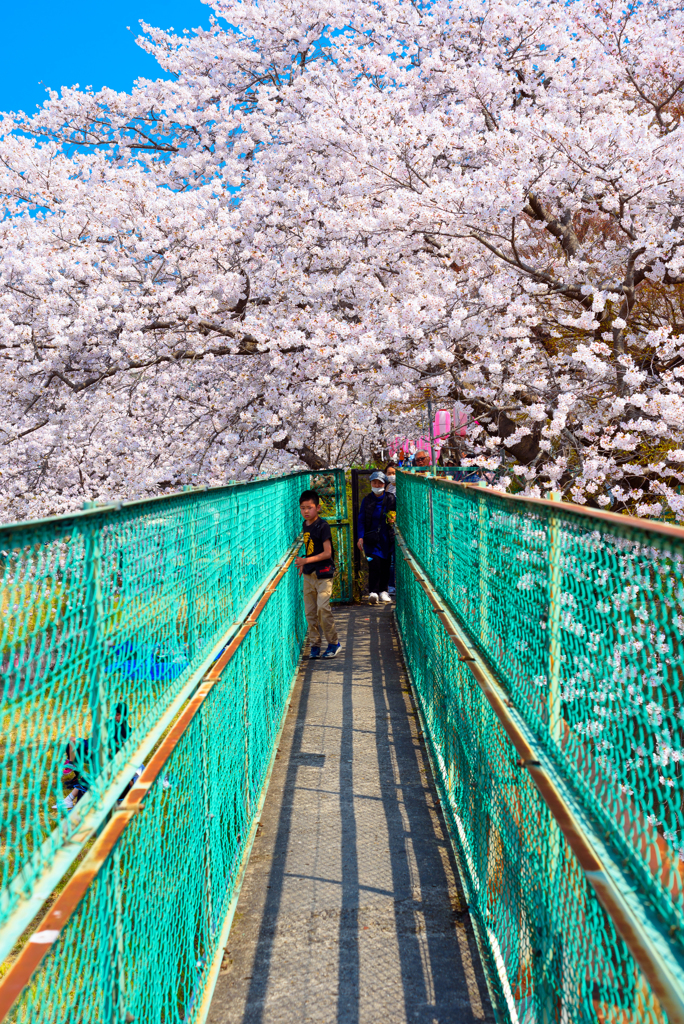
(569, 929)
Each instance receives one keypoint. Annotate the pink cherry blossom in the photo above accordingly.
(329, 214)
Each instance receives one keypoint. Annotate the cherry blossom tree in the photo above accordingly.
(326, 214)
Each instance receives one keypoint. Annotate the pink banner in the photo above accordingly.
(441, 427)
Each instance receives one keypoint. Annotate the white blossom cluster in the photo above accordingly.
(327, 214)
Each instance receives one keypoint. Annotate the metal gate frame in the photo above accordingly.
(331, 485)
(360, 487)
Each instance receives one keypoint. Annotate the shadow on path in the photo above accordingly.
(350, 910)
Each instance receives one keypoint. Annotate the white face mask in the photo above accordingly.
(377, 490)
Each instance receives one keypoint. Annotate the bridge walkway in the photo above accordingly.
(350, 910)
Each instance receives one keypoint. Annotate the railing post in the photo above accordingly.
(118, 954)
(245, 720)
(554, 1001)
(205, 781)
(431, 433)
(343, 541)
(190, 595)
(94, 613)
(482, 562)
(554, 624)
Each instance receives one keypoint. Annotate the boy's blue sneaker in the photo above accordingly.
(331, 650)
(315, 652)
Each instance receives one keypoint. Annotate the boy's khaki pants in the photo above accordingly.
(319, 618)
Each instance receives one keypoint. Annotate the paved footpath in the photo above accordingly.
(349, 911)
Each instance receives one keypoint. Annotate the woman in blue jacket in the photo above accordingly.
(376, 536)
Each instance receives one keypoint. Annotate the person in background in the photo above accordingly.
(376, 536)
(76, 766)
(74, 772)
(391, 488)
(317, 567)
(422, 460)
(118, 729)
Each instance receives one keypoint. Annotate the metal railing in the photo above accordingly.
(545, 645)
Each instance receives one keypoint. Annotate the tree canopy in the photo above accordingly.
(327, 213)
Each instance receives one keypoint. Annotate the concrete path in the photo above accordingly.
(350, 908)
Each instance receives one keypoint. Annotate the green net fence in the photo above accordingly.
(579, 619)
(141, 944)
(110, 619)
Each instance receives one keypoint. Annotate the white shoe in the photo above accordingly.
(64, 805)
(373, 598)
(385, 598)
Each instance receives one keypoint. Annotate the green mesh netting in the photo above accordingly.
(581, 621)
(141, 944)
(578, 618)
(120, 610)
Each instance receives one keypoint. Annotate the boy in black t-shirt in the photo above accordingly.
(317, 567)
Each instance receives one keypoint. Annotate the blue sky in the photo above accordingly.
(65, 42)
